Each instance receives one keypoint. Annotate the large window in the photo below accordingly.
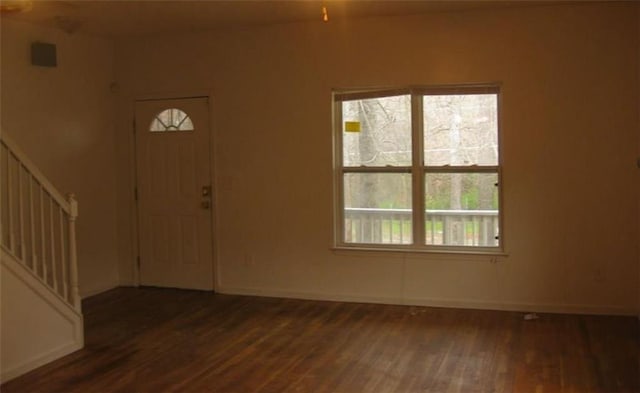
(418, 169)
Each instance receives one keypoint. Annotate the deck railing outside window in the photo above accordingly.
(442, 227)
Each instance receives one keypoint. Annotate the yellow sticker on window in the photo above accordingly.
(352, 126)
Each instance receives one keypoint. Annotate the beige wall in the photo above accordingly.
(570, 138)
(63, 119)
(570, 132)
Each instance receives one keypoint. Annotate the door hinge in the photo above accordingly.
(138, 261)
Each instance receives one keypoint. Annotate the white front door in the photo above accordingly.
(174, 193)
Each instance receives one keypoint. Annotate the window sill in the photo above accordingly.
(362, 249)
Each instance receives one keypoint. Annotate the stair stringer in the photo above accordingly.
(36, 325)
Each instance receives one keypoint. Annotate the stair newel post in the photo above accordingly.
(73, 258)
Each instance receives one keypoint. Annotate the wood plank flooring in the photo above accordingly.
(165, 340)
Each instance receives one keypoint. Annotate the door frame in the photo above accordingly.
(135, 214)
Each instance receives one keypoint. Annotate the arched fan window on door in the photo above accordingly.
(171, 120)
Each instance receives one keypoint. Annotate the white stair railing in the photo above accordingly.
(37, 224)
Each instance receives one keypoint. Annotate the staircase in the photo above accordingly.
(41, 317)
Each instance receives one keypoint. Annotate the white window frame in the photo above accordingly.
(418, 169)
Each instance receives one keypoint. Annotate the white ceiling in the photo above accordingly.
(121, 18)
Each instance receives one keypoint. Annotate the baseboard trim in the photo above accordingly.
(127, 283)
(436, 302)
(265, 292)
(98, 291)
(565, 308)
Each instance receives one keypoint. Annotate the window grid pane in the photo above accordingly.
(377, 131)
(461, 209)
(460, 130)
(377, 208)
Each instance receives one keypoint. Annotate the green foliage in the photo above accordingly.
(470, 197)
(437, 202)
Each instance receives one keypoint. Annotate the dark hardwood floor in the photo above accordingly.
(164, 340)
